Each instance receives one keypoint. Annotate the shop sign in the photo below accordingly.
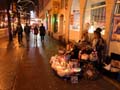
(76, 19)
(116, 28)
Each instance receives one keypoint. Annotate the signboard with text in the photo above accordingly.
(75, 20)
(116, 29)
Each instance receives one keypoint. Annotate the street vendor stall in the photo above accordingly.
(73, 67)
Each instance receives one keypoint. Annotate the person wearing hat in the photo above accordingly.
(98, 44)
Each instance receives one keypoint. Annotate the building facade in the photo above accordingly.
(67, 19)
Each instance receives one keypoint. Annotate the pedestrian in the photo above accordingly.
(35, 32)
(19, 30)
(42, 32)
(85, 37)
(99, 45)
(27, 31)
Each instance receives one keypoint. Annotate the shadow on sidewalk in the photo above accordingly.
(10, 45)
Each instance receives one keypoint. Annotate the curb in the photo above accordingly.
(113, 82)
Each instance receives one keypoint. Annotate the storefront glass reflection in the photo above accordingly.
(3, 19)
(95, 15)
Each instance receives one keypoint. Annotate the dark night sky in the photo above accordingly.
(3, 3)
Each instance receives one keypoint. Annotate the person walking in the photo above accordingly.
(42, 32)
(27, 31)
(35, 32)
(19, 30)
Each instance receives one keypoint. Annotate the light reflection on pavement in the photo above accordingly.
(26, 67)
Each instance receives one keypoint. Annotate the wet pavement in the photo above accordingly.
(26, 67)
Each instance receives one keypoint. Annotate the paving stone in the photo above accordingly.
(27, 68)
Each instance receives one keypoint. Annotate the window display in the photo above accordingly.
(95, 15)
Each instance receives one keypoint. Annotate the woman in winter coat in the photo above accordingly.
(99, 45)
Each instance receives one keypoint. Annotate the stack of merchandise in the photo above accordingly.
(62, 67)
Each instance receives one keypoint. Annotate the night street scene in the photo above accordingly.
(59, 44)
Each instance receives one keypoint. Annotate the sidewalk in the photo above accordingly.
(113, 82)
(30, 70)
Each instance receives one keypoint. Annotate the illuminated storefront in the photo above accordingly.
(95, 15)
(72, 17)
(55, 8)
(55, 23)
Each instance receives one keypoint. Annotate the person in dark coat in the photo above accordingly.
(42, 32)
(35, 32)
(99, 45)
(27, 31)
(19, 30)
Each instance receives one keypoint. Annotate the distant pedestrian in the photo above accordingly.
(42, 32)
(27, 31)
(19, 30)
(35, 32)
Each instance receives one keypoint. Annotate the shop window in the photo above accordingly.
(95, 15)
(98, 14)
(55, 23)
